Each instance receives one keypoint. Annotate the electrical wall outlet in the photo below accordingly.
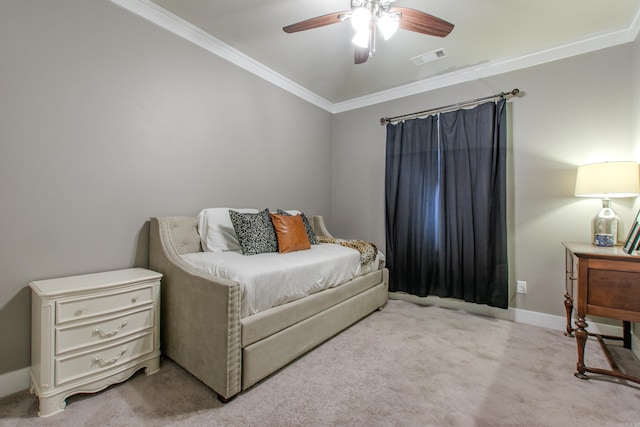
(521, 287)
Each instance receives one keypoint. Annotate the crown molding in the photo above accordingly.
(173, 23)
(492, 68)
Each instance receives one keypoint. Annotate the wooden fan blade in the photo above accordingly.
(318, 21)
(420, 22)
(360, 55)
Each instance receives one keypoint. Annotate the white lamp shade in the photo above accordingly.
(608, 180)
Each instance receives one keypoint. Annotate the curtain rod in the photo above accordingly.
(450, 107)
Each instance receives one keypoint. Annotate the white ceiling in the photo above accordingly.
(490, 36)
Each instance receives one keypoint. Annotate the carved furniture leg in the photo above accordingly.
(51, 405)
(568, 306)
(581, 341)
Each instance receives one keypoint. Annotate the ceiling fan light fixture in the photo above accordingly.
(388, 24)
(360, 19)
(361, 39)
(370, 16)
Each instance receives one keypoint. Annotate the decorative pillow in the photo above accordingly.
(290, 233)
(255, 232)
(311, 235)
(216, 230)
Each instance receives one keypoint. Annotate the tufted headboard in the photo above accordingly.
(183, 231)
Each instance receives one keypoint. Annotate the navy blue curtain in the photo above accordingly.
(445, 195)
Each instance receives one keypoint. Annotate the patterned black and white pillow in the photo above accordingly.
(307, 226)
(255, 232)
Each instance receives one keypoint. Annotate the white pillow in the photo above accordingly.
(216, 229)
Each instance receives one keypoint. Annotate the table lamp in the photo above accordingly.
(607, 181)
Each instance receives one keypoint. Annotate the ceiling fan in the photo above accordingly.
(369, 15)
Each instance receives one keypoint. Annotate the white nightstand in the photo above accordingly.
(91, 331)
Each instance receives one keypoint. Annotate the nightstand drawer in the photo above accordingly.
(76, 336)
(80, 308)
(93, 362)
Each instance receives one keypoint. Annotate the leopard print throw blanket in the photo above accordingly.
(368, 251)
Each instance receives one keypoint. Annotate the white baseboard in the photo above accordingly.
(517, 315)
(14, 381)
(560, 322)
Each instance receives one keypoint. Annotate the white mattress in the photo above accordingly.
(271, 279)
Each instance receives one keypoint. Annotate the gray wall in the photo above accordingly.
(573, 111)
(106, 121)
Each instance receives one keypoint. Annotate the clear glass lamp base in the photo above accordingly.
(605, 225)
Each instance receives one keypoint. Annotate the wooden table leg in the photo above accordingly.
(581, 341)
(568, 306)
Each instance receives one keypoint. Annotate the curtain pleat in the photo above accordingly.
(446, 205)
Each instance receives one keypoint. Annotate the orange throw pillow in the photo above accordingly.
(290, 232)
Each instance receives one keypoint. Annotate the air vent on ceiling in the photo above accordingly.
(425, 58)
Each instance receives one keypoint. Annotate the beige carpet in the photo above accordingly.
(406, 365)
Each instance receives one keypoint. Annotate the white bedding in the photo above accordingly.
(271, 279)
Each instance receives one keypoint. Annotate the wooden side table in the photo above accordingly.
(608, 285)
(91, 331)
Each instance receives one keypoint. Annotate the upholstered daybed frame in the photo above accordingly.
(201, 328)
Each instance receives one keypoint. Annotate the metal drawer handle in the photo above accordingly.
(134, 299)
(103, 334)
(102, 362)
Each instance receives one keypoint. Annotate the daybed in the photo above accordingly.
(202, 328)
